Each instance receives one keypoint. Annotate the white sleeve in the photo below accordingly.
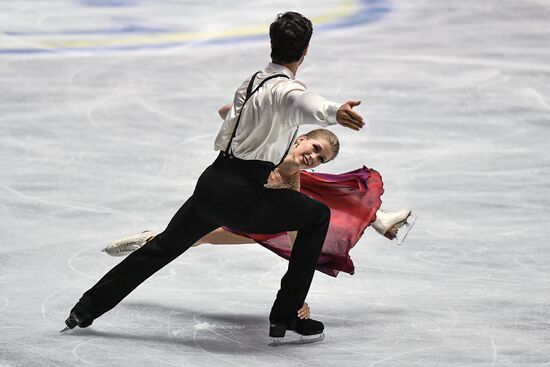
(298, 106)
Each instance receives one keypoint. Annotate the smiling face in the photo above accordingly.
(311, 152)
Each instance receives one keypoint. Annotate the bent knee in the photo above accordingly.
(325, 212)
(322, 212)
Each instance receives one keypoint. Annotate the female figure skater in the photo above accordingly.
(353, 197)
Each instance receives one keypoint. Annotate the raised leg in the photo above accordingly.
(394, 225)
(220, 236)
(126, 245)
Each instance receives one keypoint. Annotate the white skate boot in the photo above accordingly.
(125, 246)
(394, 225)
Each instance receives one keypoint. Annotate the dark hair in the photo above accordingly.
(290, 34)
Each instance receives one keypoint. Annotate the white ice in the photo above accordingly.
(108, 115)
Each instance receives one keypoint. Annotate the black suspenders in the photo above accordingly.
(287, 149)
(249, 93)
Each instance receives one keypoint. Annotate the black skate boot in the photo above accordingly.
(79, 316)
(308, 330)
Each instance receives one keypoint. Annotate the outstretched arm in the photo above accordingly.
(300, 106)
(348, 118)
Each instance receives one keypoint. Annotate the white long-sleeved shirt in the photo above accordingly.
(271, 117)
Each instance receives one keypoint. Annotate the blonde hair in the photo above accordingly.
(328, 136)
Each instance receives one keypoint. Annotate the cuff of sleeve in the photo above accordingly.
(331, 110)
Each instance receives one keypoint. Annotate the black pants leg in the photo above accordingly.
(230, 192)
(282, 210)
(182, 232)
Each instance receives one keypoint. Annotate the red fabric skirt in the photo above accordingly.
(353, 199)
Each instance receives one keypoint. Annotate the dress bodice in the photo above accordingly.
(277, 181)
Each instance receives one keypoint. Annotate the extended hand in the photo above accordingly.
(348, 118)
(304, 312)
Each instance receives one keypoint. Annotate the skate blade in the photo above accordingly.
(302, 339)
(404, 229)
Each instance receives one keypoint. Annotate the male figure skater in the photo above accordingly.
(254, 138)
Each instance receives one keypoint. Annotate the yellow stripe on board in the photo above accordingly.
(344, 9)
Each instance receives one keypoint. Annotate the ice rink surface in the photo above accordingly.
(108, 113)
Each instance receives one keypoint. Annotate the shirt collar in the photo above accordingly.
(278, 68)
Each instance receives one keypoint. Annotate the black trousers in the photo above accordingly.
(229, 193)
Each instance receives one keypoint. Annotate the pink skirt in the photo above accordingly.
(353, 199)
